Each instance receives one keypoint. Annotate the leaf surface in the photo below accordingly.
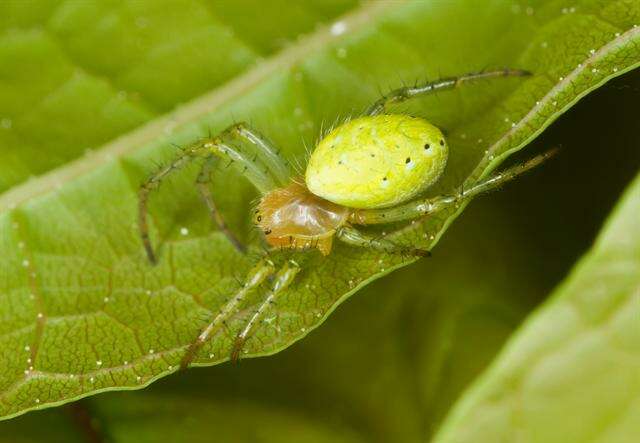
(82, 310)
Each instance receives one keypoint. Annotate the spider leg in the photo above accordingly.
(282, 280)
(203, 181)
(153, 183)
(259, 162)
(405, 93)
(262, 271)
(268, 153)
(355, 237)
(429, 206)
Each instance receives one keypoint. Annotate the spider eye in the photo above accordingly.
(408, 160)
(441, 142)
(426, 146)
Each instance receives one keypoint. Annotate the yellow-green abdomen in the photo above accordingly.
(377, 161)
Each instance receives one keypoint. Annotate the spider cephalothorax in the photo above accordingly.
(369, 170)
(294, 218)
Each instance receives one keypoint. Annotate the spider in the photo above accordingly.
(367, 171)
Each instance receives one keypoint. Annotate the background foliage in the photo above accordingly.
(387, 366)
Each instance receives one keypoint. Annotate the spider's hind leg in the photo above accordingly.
(428, 206)
(355, 237)
(405, 93)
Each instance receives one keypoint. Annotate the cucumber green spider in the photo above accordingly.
(369, 170)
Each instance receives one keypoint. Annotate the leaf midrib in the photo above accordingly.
(198, 107)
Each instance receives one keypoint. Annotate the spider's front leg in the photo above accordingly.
(152, 183)
(259, 162)
(408, 92)
(258, 275)
(281, 281)
(203, 183)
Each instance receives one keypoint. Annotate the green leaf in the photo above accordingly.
(82, 310)
(572, 372)
(387, 365)
(417, 336)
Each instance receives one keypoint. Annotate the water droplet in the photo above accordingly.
(6, 123)
(184, 231)
(342, 53)
(338, 28)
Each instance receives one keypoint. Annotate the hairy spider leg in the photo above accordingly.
(281, 281)
(405, 93)
(429, 206)
(261, 272)
(259, 162)
(269, 154)
(203, 182)
(355, 237)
